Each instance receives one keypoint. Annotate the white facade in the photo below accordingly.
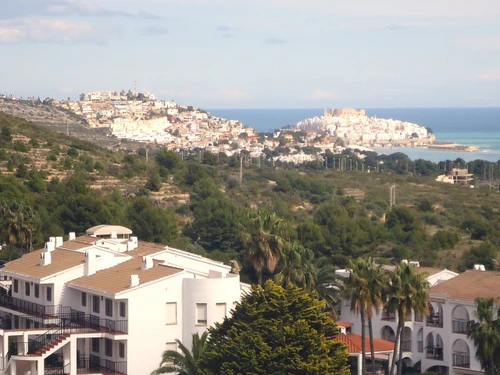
(427, 339)
(107, 305)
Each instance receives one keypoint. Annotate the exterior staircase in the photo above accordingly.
(51, 346)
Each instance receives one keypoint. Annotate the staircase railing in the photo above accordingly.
(45, 339)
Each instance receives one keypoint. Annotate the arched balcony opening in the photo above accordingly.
(434, 347)
(388, 334)
(460, 318)
(461, 354)
(420, 340)
(435, 317)
(407, 336)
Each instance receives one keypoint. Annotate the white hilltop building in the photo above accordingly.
(107, 303)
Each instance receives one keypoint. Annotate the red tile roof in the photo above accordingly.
(353, 343)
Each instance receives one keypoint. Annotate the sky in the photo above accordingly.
(257, 53)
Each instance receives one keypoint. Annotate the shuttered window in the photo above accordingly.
(201, 313)
(171, 312)
(220, 312)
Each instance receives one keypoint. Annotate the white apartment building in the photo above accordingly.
(415, 329)
(106, 303)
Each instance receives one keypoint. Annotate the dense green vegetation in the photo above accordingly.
(51, 184)
(275, 330)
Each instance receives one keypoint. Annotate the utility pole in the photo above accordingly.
(241, 169)
(392, 196)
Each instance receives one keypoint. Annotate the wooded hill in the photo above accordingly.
(51, 184)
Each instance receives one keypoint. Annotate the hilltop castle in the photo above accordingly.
(343, 112)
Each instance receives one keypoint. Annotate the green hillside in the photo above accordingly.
(51, 184)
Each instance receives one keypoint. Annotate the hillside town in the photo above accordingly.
(144, 118)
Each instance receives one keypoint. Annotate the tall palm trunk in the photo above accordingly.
(396, 346)
(400, 358)
(363, 343)
(259, 277)
(372, 348)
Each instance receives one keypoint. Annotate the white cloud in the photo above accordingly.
(322, 94)
(490, 75)
(49, 31)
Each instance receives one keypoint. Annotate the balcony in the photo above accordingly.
(390, 317)
(460, 326)
(461, 359)
(434, 352)
(435, 320)
(420, 346)
(27, 307)
(406, 346)
(93, 364)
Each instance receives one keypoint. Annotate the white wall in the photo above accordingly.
(191, 262)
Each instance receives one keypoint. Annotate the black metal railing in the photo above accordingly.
(434, 352)
(406, 346)
(62, 370)
(460, 326)
(37, 344)
(31, 308)
(94, 363)
(391, 317)
(435, 320)
(420, 346)
(461, 359)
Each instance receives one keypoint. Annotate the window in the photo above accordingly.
(171, 312)
(123, 310)
(95, 304)
(220, 312)
(37, 290)
(16, 286)
(109, 307)
(37, 324)
(49, 293)
(201, 314)
(95, 345)
(108, 347)
(170, 346)
(84, 299)
(16, 321)
(121, 350)
(27, 288)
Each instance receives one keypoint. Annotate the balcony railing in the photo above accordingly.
(27, 307)
(435, 320)
(406, 346)
(94, 364)
(460, 326)
(434, 352)
(389, 317)
(420, 345)
(461, 359)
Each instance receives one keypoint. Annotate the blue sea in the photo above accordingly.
(478, 127)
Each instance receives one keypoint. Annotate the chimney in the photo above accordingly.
(479, 267)
(72, 236)
(134, 280)
(132, 243)
(52, 239)
(45, 258)
(50, 246)
(147, 263)
(113, 235)
(59, 241)
(90, 263)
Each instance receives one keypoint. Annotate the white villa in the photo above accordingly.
(439, 341)
(106, 303)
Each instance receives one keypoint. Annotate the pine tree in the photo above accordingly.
(275, 330)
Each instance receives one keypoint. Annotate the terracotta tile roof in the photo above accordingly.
(29, 264)
(353, 343)
(146, 248)
(469, 285)
(117, 279)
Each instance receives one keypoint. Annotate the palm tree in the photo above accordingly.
(19, 221)
(296, 267)
(265, 242)
(185, 361)
(377, 278)
(485, 332)
(357, 289)
(327, 283)
(408, 292)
